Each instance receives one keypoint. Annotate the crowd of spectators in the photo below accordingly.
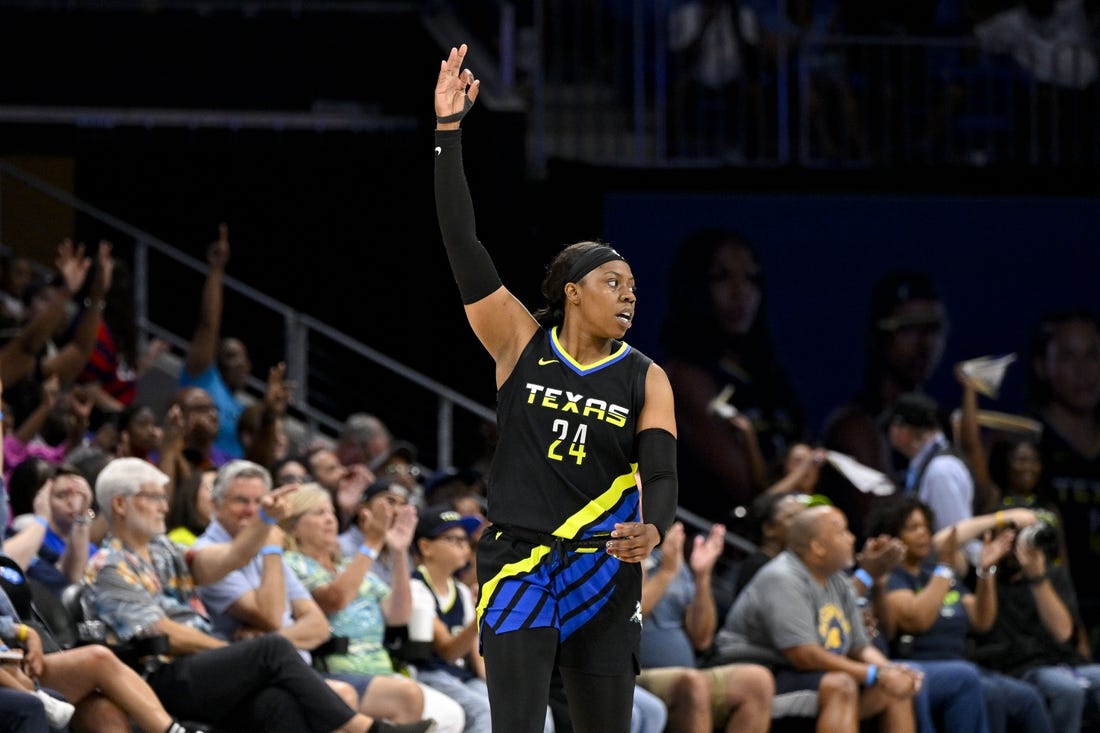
(206, 524)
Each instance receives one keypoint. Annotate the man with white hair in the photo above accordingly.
(142, 583)
(265, 596)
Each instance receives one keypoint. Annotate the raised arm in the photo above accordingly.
(204, 341)
(498, 319)
(213, 562)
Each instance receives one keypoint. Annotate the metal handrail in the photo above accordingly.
(298, 326)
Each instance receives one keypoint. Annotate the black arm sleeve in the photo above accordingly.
(473, 269)
(660, 491)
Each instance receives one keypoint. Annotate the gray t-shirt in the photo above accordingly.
(784, 607)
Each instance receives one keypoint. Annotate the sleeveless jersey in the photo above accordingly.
(566, 455)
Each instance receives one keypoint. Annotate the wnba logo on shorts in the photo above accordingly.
(637, 617)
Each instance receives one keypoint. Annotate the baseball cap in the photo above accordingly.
(436, 520)
(382, 486)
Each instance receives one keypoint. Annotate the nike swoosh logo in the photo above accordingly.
(438, 151)
(544, 362)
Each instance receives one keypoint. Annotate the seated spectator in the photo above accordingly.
(932, 614)
(770, 518)
(1034, 636)
(359, 606)
(379, 506)
(265, 596)
(58, 713)
(53, 342)
(400, 463)
(101, 694)
(55, 426)
(679, 618)
(54, 544)
(801, 470)
(191, 508)
(935, 474)
(139, 433)
(453, 664)
(818, 643)
(141, 582)
(197, 431)
(363, 439)
(288, 471)
(220, 367)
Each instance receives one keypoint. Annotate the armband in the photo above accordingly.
(864, 577)
(472, 267)
(467, 103)
(369, 551)
(266, 519)
(660, 492)
(271, 550)
(42, 521)
(985, 573)
(872, 675)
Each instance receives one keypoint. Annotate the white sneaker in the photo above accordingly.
(58, 712)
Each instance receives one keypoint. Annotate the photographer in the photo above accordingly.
(1034, 635)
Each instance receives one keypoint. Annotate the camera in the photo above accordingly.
(1041, 535)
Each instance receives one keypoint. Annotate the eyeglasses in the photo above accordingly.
(455, 539)
(413, 471)
(293, 478)
(151, 497)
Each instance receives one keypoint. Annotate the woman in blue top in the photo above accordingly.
(933, 611)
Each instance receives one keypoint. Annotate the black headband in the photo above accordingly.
(590, 260)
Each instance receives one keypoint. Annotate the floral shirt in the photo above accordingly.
(361, 621)
(130, 594)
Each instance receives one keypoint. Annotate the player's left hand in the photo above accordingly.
(632, 541)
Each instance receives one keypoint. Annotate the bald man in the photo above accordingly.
(799, 616)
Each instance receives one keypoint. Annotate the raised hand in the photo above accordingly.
(706, 550)
(994, 547)
(456, 89)
(277, 395)
(880, 555)
(278, 504)
(72, 264)
(217, 254)
(105, 269)
(400, 534)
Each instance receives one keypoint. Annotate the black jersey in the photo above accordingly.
(566, 455)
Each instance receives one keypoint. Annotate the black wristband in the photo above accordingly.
(467, 103)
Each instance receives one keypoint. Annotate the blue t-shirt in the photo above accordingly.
(229, 407)
(946, 638)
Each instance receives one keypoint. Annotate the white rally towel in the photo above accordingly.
(864, 478)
